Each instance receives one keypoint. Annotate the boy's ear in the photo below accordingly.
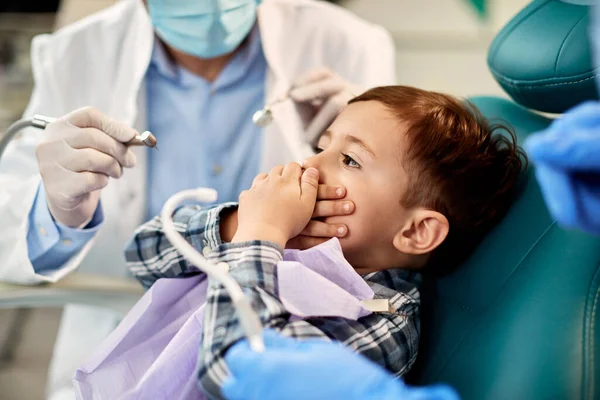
(424, 231)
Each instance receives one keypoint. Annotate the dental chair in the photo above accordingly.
(521, 318)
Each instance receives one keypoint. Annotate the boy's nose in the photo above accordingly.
(311, 162)
(314, 162)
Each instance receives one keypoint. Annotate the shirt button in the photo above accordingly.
(217, 169)
(220, 331)
(206, 251)
(67, 242)
(43, 231)
(224, 266)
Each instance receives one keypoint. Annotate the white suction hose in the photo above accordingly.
(248, 318)
(37, 121)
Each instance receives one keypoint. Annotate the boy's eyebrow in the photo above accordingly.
(352, 139)
(363, 145)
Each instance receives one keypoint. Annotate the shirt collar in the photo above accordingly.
(161, 61)
(234, 70)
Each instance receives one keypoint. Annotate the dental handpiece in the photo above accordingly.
(41, 122)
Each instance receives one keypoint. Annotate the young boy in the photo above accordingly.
(427, 177)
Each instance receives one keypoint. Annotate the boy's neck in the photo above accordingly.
(367, 262)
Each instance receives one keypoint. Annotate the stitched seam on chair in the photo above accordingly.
(517, 84)
(590, 342)
(523, 18)
(459, 342)
(562, 45)
(592, 365)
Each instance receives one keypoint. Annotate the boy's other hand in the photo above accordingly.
(278, 206)
(330, 203)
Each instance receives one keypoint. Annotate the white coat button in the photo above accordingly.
(224, 266)
(206, 251)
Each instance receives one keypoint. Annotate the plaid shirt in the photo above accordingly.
(389, 339)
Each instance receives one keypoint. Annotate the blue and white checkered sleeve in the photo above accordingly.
(149, 254)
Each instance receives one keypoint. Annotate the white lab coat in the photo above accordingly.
(101, 61)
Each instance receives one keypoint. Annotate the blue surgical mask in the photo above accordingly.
(204, 28)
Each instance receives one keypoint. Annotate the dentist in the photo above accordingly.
(193, 72)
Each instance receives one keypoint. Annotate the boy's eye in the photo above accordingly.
(350, 162)
(318, 150)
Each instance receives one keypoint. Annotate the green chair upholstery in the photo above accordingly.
(521, 318)
(542, 57)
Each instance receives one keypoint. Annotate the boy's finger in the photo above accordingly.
(330, 208)
(292, 171)
(330, 192)
(309, 184)
(324, 230)
(276, 171)
(258, 178)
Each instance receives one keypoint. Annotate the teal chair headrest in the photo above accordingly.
(543, 59)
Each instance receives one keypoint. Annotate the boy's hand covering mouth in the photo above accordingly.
(278, 206)
(329, 203)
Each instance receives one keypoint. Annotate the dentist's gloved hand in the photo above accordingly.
(316, 370)
(78, 154)
(327, 93)
(567, 156)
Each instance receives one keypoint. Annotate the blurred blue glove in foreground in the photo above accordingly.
(567, 157)
(315, 370)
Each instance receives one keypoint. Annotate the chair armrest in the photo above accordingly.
(118, 294)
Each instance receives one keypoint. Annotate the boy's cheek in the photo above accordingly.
(356, 230)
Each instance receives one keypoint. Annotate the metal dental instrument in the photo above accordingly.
(264, 117)
(41, 122)
(249, 319)
(145, 139)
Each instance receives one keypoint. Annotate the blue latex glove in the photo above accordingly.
(314, 369)
(567, 157)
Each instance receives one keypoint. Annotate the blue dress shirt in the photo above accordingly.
(205, 135)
